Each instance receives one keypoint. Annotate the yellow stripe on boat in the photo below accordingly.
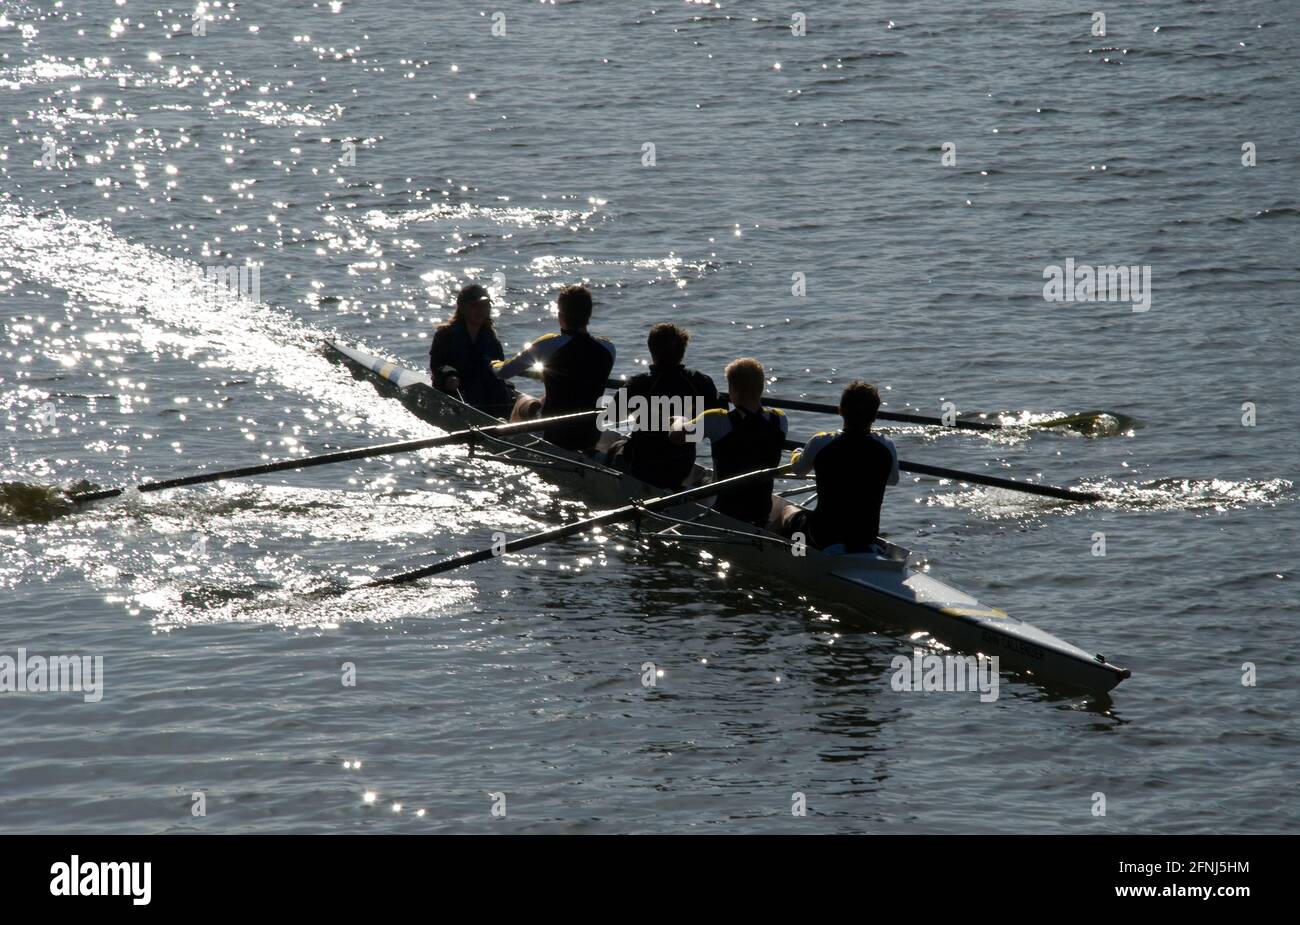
(974, 612)
(386, 370)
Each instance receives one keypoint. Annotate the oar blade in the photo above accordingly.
(1092, 423)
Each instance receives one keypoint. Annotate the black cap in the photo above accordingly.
(471, 294)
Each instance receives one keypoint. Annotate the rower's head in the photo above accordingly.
(574, 304)
(745, 381)
(667, 343)
(474, 306)
(859, 403)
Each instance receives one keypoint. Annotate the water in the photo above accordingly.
(522, 155)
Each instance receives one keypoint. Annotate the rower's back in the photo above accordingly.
(747, 442)
(649, 454)
(852, 469)
(575, 371)
(746, 438)
(669, 389)
(455, 352)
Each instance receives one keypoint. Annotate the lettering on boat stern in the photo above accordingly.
(1009, 644)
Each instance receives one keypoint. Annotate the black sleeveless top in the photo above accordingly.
(852, 471)
(650, 455)
(754, 442)
(575, 376)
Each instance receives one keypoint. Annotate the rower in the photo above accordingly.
(649, 454)
(575, 367)
(746, 438)
(462, 353)
(852, 467)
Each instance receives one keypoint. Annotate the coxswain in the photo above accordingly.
(463, 351)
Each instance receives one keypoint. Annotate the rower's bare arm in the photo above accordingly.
(533, 355)
(516, 366)
(893, 469)
(801, 462)
(714, 423)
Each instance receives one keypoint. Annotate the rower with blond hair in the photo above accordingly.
(744, 439)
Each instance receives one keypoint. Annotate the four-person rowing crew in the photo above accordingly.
(852, 466)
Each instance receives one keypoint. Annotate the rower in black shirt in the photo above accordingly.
(668, 390)
(462, 353)
(575, 369)
(853, 466)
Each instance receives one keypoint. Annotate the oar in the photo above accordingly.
(627, 512)
(1085, 421)
(1050, 491)
(791, 404)
(365, 452)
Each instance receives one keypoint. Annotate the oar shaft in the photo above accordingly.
(580, 526)
(366, 452)
(790, 404)
(794, 405)
(1050, 491)
(481, 555)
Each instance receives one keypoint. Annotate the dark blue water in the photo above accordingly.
(368, 158)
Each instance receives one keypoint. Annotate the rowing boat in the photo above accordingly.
(883, 590)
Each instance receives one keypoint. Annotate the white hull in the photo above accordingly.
(883, 589)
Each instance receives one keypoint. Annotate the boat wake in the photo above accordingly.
(243, 553)
(165, 303)
(299, 603)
